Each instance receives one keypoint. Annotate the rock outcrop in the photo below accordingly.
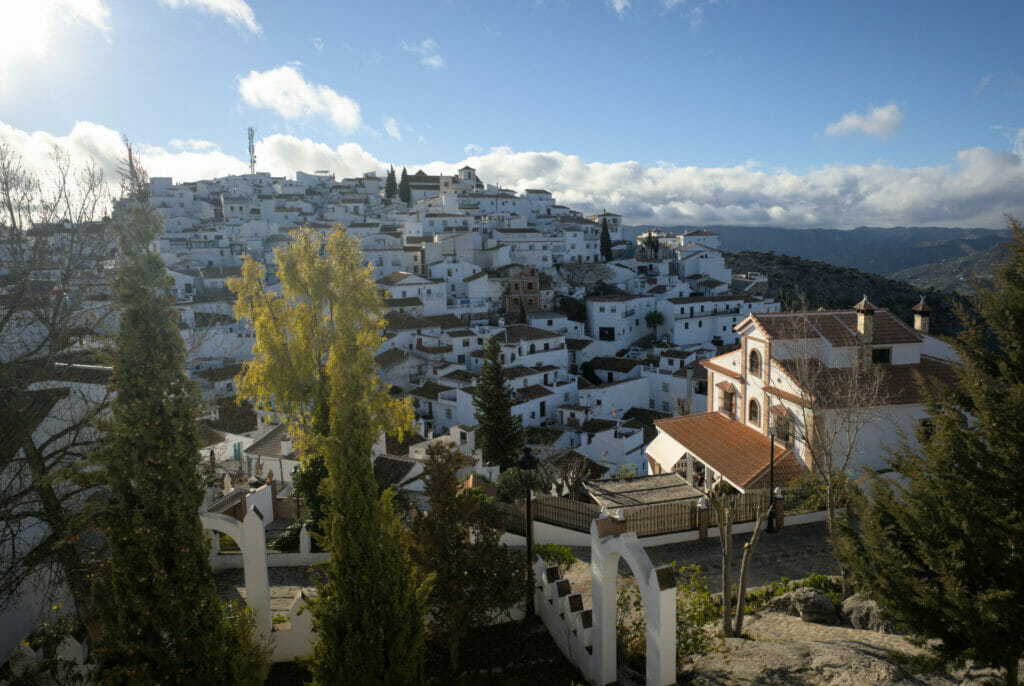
(864, 613)
(810, 604)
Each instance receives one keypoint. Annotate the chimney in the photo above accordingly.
(865, 326)
(921, 316)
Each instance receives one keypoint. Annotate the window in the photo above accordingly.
(465, 342)
(881, 355)
(664, 406)
(448, 412)
(664, 388)
(686, 325)
(462, 359)
(728, 402)
(755, 363)
(754, 413)
(601, 309)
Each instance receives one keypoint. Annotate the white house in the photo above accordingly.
(616, 321)
(430, 292)
(762, 380)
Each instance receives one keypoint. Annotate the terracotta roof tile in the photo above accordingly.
(741, 454)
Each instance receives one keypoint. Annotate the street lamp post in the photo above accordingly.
(528, 463)
(772, 428)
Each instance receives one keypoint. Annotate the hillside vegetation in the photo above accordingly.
(806, 284)
(956, 275)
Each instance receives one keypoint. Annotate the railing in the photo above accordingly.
(563, 512)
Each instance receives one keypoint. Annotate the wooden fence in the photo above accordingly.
(563, 512)
(645, 520)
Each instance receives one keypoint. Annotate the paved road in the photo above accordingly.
(793, 552)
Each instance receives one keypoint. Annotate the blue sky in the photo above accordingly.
(786, 113)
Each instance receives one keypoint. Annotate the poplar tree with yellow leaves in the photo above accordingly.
(314, 359)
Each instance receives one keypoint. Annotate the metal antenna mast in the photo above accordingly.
(252, 151)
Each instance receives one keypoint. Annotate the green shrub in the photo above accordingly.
(697, 614)
(560, 555)
(805, 493)
(757, 598)
(50, 668)
(626, 471)
(488, 513)
(288, 541)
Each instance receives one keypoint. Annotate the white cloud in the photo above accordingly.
(880, 121)
(285, 90)
(318, 43)
(1014, 136)
(696, 17)
(192, 144)
(391, 126)
(427, 50)
(977, 190)
(236, 12)
(473, 149)
(619, 5)
(28, 27)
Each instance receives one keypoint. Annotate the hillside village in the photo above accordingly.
(646, 359)
(463, 261)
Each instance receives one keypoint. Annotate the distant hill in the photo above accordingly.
(884, 251)
(807, 284)
(956, 275)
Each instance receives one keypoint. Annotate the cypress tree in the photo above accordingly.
(391, 186)
(941, 551)
(404, 192)
(162, 621)
(606, 241)
(499, 433)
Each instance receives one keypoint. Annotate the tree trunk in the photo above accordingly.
(748, 553)
(725, 536)
(1012, 672)
(453, 654)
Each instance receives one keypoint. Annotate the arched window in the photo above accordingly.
(755, 362)
(754, 413)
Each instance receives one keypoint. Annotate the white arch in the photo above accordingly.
(609, 544)
(251, 539)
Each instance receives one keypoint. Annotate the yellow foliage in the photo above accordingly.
(321, 325)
